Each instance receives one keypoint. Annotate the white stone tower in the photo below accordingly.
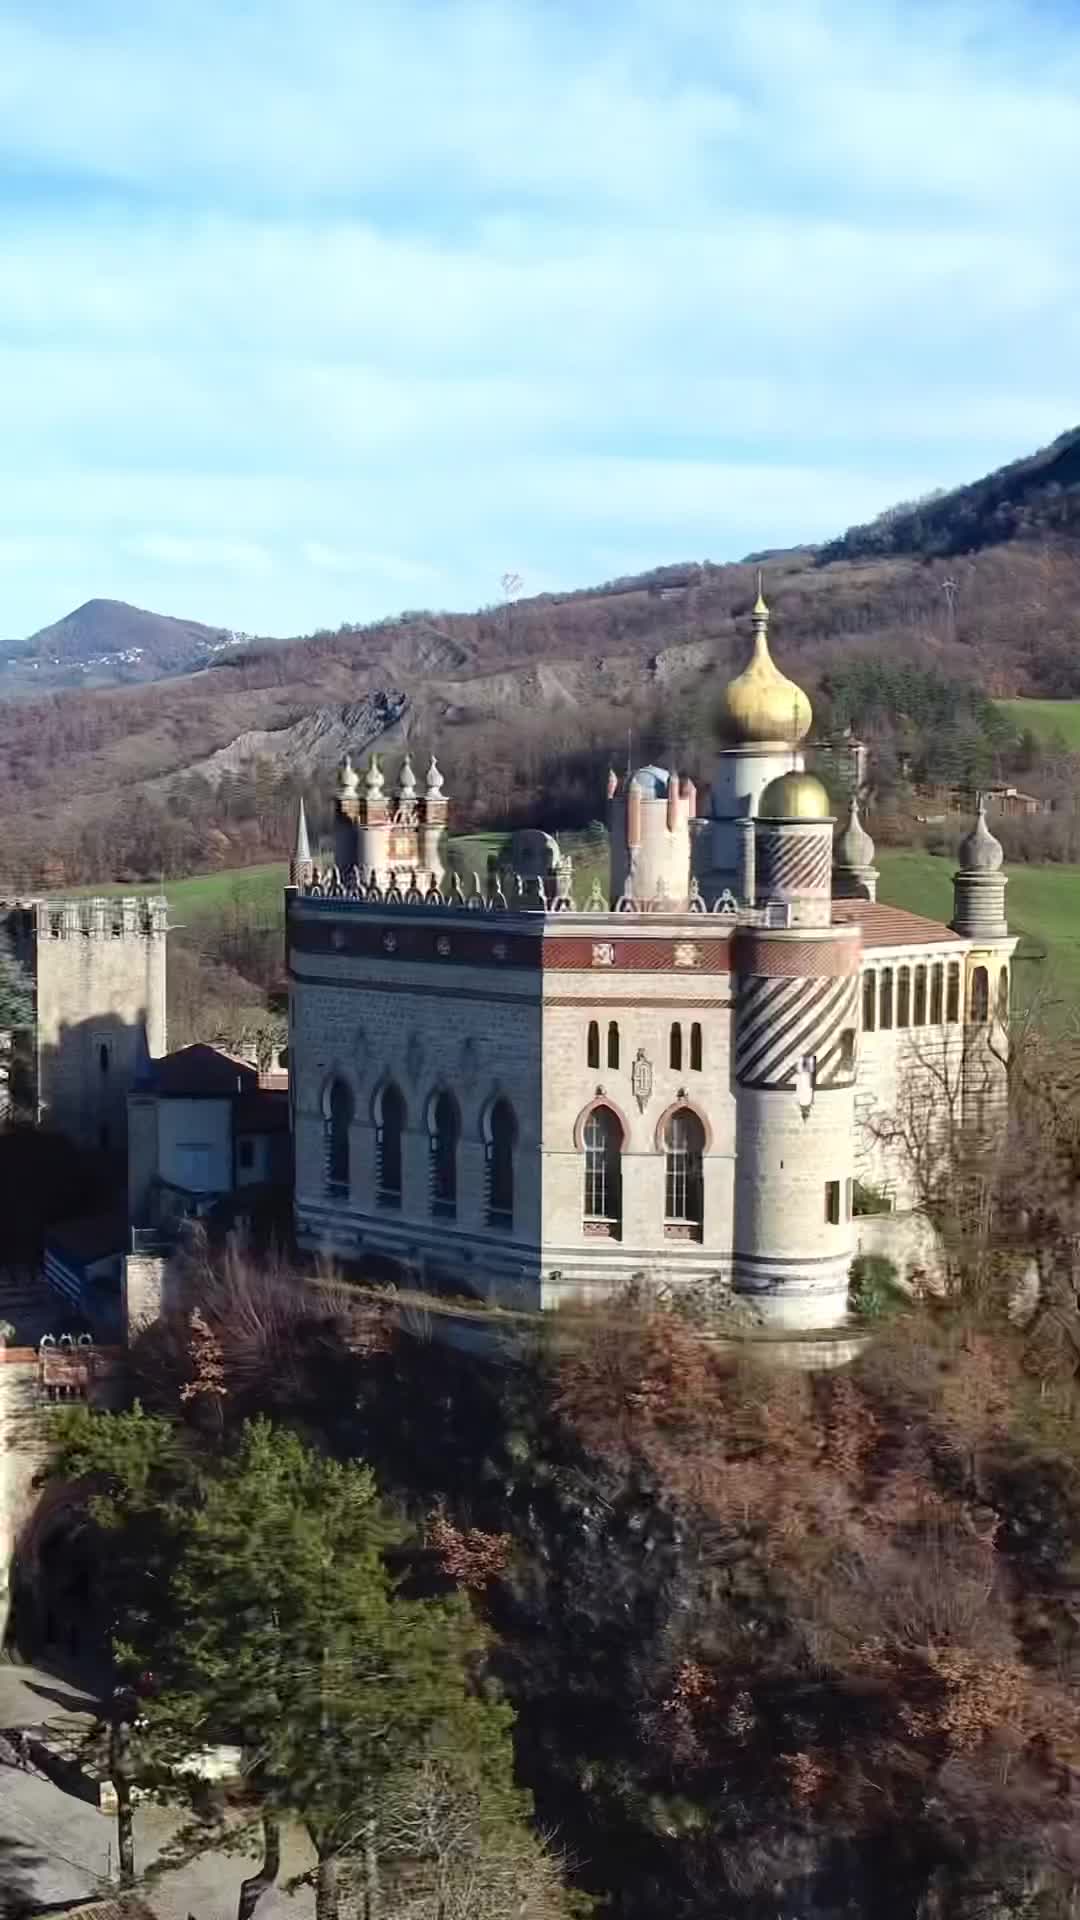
(795, 1045)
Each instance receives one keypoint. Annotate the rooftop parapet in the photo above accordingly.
(503, 892)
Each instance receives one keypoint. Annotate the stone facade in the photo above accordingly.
(97, 968)
(680, 1078)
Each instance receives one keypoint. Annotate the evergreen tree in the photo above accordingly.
(252, 1584)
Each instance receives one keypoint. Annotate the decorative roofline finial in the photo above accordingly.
(760, 610)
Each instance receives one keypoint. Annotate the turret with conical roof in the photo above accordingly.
(979, 883)
(854, 873)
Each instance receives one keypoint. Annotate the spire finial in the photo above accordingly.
(303, 846)
(761, 611)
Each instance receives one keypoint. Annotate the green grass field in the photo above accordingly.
(1043, 905)
(202, 895)
(1047, 719)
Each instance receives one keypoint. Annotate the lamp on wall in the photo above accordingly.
(805, 1082)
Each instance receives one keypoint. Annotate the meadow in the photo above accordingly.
(1048, 720)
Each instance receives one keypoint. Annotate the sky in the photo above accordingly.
(315, 310)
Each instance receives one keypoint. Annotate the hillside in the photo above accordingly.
(1030, 497)
(521, 701)
(106, 642)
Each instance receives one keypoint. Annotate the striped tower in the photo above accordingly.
(796, 1039)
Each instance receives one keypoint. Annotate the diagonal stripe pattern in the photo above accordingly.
(793, 863)
(779, 1021)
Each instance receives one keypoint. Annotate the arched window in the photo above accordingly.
(980, 996)
(1003, 996)
(593, 1044)
(675, 1049)
(952, 993)
(918, 1018)
(502, 1139)
(603, 1173)
(613, 1044)
(903, 997)
(885, 1005)
(389, 1129)
(869, 1002)
(445, 1130)
(695, 1047)
(339, 1114)
(684, 1187)
(937, 993)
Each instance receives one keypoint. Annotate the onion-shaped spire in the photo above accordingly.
(374, 783)
(979, 852)
(407, 780)
(854, 847)
(761, 705)
(348, 780)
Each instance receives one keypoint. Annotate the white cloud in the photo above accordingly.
(325, 307)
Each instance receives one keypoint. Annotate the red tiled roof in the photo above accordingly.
(891, 926)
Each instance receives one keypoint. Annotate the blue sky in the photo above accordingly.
(315, 309)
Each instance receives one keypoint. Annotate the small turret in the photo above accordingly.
(650, 836)
(301, 866)
(407, 781)
(854, 874)
(348, 781)
(979, 883)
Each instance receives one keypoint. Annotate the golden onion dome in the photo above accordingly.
(795, 796)
(761, 704)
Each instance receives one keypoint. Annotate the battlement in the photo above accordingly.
(504, 891)
(98, 918)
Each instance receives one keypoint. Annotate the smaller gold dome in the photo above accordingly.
(795, 796)
(761, 704)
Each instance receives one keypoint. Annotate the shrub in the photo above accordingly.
(875, 1291)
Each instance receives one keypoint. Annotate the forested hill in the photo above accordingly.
(524, 702)
(1030, 497)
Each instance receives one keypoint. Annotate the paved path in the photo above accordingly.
(55, 1846)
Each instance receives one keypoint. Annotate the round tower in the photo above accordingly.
(649, 821)
(763, 717)
(373, 831)
(854, 875)
(979, 884)
(795, 1043)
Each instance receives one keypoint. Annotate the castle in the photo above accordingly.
(681, 1077)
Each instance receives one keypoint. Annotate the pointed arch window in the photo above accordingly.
(445, 1133)
(501, 1143)
(388, 1144)
(603, 1173)
(980, 996)
(675, 1048)
(937, 993)
(592, 1044)
(339, 1118)
(952, 994)
(695, 1047)
(684, 1188)
(613, 1043)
